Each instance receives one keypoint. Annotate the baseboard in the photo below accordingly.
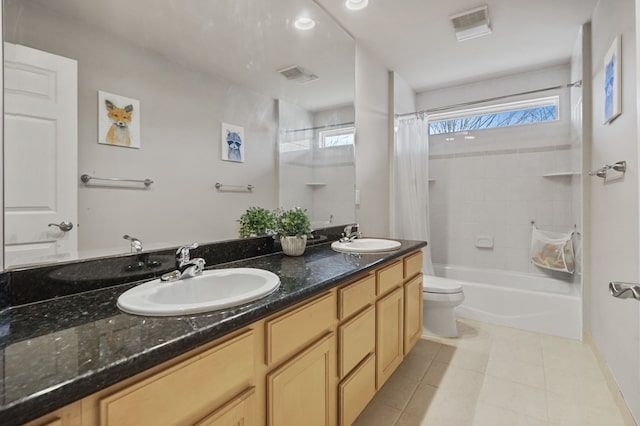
(611, 383)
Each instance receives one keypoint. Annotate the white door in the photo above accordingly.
(40, 151)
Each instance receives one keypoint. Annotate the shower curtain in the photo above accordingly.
(411, 184)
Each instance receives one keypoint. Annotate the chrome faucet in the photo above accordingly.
(135, 244)
(349, 234)
(185, 266)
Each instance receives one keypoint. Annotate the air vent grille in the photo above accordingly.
(472, 23)
(297, 73)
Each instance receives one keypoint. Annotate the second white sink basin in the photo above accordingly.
(215, 289)
(366, 245)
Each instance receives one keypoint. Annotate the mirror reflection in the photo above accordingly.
(152, 103)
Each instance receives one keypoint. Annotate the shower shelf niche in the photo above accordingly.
(316, 184)
(561, 174)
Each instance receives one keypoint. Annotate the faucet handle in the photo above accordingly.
(136, 244)
(182, 254)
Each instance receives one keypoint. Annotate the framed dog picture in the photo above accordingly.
(232, 143)
(118, 120)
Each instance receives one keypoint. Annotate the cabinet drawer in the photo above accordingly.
(186, 392)
(241, 410)
(389, 278)
(356, 391)
(355, 296)
(291, 332)
(412, 265)
(357, 339)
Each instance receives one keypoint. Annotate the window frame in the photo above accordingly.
(350, 130)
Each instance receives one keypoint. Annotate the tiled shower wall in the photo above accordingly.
(495, 185)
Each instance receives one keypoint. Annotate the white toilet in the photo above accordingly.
(440, 296)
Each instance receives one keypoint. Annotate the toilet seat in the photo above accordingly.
(432, 284)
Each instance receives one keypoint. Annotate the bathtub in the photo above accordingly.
(519, 300)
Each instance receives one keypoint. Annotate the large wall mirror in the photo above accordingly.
(183, 95)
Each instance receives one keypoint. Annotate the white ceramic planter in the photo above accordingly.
(293, 246)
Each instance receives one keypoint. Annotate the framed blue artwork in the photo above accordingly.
(612, 82)
(232, 143)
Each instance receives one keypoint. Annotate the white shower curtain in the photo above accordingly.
(411, 184)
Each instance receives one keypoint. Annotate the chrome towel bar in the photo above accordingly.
(86, 179)
(221, 187)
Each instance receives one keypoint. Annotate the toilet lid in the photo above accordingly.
(431, 284)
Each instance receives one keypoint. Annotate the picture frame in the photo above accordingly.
(232, 143)
(118, 120)
(613, 81)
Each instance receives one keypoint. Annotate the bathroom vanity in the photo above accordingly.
(313, 352)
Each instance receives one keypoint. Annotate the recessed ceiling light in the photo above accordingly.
(449, 139)
(304, 23)
(356, 4)
(469, 137)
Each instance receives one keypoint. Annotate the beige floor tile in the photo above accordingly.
(489, 415)
(413, 366)
(472, 335)
(579, 389)
(437, 406)
(517, 371)
(426, 348)
(463, 358)
(580, 364)
(523, 399)
(526, 352)
(563, 412)
(377, 414)
(397, 391)
(521, 337)
(448, 377)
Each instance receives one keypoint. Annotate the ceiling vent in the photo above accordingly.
(298, 74)
(472, 23)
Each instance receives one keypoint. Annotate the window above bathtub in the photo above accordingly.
(509, 114)
(337, 137)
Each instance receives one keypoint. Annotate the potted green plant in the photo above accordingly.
(292, 227)
(256, 221)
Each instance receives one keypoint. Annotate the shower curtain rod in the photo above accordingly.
(481, 101)
(350, 123)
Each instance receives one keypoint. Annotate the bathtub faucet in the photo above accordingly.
(349, 234)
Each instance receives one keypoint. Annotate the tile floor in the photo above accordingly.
(495, 376)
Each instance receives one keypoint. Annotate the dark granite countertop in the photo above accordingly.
(60, 350)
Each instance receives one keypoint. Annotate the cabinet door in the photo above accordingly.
(71, 415)
(412, 313)
(240, 411)
(389, 335)
(302, 391)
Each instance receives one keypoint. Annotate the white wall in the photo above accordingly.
(493, 185)
(181, 113)
(372, 144)
(614, 205)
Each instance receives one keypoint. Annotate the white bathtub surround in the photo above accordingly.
(518, 300)
(411, 184)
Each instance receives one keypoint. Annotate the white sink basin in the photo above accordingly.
(215, 289)
(366, 245)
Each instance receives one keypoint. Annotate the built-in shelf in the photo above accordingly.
(431, 179)
(562, 174)
(316, 184)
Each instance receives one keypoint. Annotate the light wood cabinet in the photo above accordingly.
(70, 415)
(240, 411)
(301, 392)
(186, 392)
(356, 340)
(389, 335)
(356, 390)
(316, 363)
(412, 313)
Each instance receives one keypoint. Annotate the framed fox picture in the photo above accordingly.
(118, 120)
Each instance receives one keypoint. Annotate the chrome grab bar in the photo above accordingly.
(85, 178)
(624, 290)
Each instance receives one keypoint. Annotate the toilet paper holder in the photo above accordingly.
(623, 290)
